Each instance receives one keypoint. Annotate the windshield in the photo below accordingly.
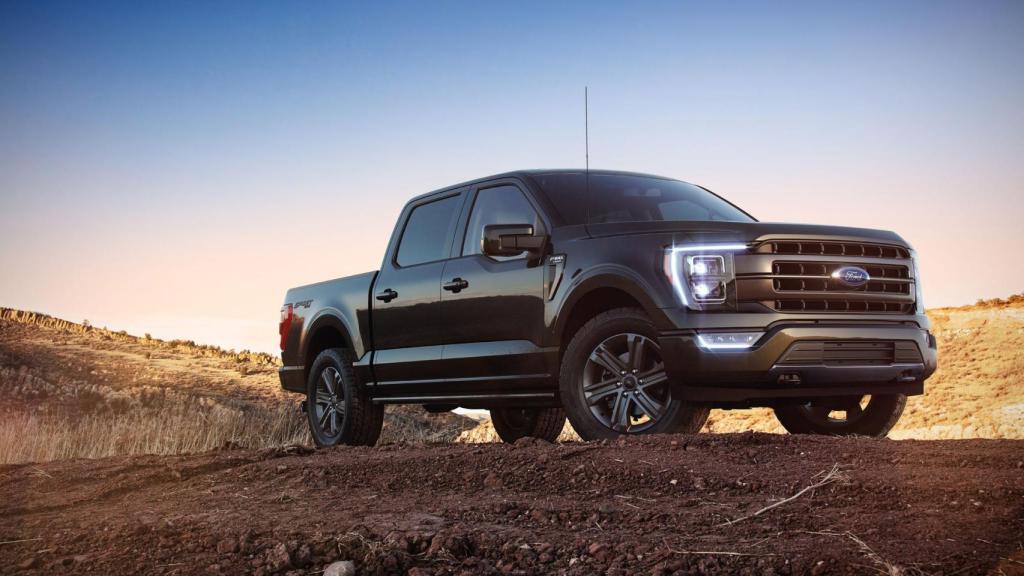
(627, 198)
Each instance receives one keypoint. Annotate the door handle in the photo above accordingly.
(387, 295)
(456, 285)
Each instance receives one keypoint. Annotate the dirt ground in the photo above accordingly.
(422, 503)
(657, 505)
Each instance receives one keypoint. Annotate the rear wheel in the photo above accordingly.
(338, 410)
(613, 381)
(854, 415)
(511, 424)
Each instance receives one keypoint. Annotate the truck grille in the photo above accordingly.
(817, 277)
(851, 353)
(795, 276)
(826, 248)
(843, 305)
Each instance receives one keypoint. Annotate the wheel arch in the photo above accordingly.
(326, 331)
(600, 292)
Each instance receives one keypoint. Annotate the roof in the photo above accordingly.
(537, 172)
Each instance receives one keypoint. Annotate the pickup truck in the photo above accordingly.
(628, 303)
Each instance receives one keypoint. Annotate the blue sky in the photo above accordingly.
(174, 167)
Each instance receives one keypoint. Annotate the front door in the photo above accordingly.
(493, 307)
(407, 329)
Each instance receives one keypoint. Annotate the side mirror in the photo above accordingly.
(512, 240)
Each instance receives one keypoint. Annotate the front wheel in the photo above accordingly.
(511, 424)
(613, 381)
(855, 415)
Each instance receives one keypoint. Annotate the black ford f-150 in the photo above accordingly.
(629, 303)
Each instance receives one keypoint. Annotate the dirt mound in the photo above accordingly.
(747, 503)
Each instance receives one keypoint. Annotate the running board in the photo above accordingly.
(465, 398)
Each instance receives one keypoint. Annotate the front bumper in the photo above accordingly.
(757, 376)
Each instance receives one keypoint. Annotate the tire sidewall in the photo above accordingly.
(542, 423)
(881, 415)
(575, 359)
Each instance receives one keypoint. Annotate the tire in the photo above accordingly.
(356, 421)
(511, 424)
(590, 390)
(862, 416)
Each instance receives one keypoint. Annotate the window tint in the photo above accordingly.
(428, 232)
(629, 198)
(498, 205)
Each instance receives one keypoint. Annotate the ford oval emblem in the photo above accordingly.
(852, 276)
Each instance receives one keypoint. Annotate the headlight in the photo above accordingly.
(702, 275)
(918, 292)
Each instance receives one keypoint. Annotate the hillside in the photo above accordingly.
(73, 390)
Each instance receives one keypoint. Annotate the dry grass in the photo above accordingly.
(180, 426)
(73, 391)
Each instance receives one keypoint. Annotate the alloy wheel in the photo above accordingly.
(625, 384)
(330, 402)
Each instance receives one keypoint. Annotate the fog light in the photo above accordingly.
(728, 340)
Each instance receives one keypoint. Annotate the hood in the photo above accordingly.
(743, 232)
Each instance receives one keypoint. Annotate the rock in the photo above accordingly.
(303, 557)
(227, 546)
(29, 563)
(493, 481)
(341, 568)
(598, 551)
(278, 558)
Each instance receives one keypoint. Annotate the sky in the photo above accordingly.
(173, 168)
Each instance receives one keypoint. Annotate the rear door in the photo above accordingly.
(493, 307)
(407, 329)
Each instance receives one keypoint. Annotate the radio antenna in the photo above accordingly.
(586, 151)
(586, 128)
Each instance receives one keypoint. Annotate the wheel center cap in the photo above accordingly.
(629, 382)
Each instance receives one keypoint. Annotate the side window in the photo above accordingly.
(498, 205)
(428, 232)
